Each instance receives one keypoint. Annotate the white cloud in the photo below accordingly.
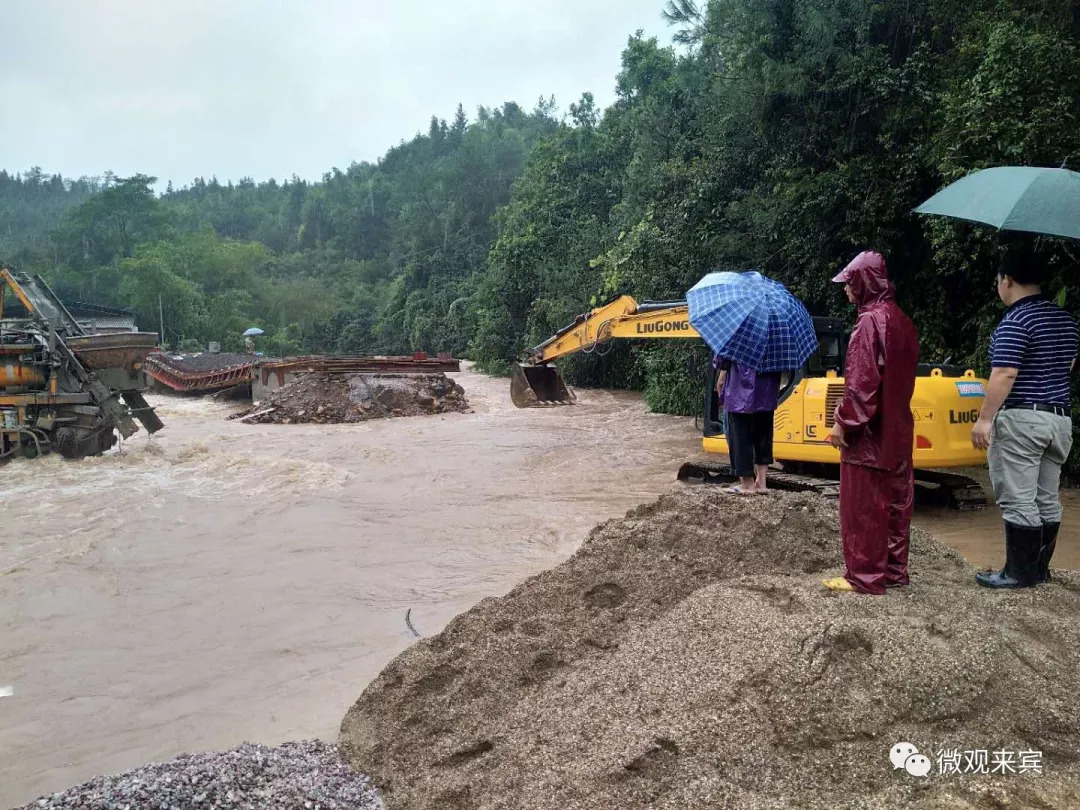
(233, 88)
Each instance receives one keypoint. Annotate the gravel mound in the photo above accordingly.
(318, 397)
(688, 657)
(303, 775)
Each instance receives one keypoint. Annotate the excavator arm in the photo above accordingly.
(535, 382)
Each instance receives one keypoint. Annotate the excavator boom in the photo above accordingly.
(536, 382)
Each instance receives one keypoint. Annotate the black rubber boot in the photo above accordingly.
(1023, 545)
(1049, 543)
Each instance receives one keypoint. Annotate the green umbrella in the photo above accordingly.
(1014, 198)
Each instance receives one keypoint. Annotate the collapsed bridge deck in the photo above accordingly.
(210, 373)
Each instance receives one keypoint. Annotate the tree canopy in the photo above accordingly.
(780, 135)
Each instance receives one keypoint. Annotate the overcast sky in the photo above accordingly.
(260, 88)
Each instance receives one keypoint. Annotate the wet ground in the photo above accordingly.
(977, 534)
(224, 582)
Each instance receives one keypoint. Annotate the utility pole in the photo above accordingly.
(161, 319)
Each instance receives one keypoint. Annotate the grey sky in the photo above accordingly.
(186, 88)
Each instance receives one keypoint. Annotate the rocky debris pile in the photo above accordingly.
(687, 656)
(294, 776)
(332, 398)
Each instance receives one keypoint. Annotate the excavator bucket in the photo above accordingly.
(533, 386)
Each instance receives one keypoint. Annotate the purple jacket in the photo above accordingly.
(746, 391)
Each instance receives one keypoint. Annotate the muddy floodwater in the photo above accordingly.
(224, 582)
(977, 534)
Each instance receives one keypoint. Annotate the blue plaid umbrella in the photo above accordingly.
(752, 320)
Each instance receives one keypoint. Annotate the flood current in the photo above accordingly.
(223, 582)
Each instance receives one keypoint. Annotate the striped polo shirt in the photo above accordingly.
(1040, 339)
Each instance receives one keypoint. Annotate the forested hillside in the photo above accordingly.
(782, 135)
(378, 257)
(32, 206)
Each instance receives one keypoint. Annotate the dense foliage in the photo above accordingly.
(790, 136)
(783, 135)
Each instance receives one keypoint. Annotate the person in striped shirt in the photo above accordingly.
(1026, 420)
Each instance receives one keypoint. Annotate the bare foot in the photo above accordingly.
(760, 477)
(738, 490)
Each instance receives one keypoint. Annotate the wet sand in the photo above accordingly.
(223, 582)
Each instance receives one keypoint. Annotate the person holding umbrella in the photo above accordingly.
(1026, 419)
(875, 432)
(757, 330)
(249, 338)
(749, 400)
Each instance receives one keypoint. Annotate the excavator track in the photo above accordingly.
(952, 489)
(932, 487)
(719, 473)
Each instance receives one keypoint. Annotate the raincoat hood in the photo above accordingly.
(869, 279)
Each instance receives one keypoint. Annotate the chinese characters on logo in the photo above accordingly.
(953, 761)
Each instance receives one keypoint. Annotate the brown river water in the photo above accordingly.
(223, 582)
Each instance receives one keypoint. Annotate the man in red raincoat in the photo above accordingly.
(874, 430)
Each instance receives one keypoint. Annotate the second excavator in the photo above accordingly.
(63, 390)
(945, 404)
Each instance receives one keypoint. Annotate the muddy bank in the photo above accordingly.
(343, 398)
(687, 656)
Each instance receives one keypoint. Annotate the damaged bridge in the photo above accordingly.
(213, 373)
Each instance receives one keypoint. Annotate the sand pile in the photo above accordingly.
(296, 775)
(687, 657)
(320, 397)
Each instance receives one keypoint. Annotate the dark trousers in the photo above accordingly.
(749, 438)
(875, 522)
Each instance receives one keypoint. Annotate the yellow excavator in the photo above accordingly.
(945, 404)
